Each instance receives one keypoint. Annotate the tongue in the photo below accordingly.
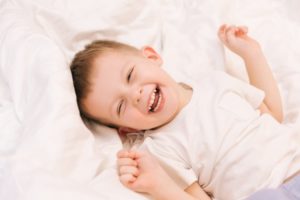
(155, 101)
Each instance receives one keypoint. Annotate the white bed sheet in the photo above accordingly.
(46, 151)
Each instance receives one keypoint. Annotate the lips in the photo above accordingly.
(154, 100)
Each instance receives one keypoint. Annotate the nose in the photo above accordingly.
(136, 95)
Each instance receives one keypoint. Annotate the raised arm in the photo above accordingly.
(140, 172)
(259, 72)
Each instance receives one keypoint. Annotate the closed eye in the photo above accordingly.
(120, 107)
(129, 74)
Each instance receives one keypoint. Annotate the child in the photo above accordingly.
(211, 134)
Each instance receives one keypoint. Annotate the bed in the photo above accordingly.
(46, 151)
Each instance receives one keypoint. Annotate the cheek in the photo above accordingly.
(131, 115)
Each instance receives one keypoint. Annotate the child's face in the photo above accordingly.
(131, 90)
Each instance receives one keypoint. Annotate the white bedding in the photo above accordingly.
(46, 152)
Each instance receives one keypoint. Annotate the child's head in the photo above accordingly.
(121, 86)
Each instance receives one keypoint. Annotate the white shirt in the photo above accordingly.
(221, 140)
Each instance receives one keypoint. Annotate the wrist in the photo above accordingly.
(252, 54)
(166, 190)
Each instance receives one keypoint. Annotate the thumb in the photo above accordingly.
(136, 186)
(243, 29)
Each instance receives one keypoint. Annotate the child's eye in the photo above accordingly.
(129, 74)
(120, 107)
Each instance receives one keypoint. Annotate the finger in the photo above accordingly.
(133, 154)
(222, 28)
(126, 154)
(230, 34)
(122, 153)
(126, 179)
(244, 29)
(128, 170)
(126, 161)
(241, 30)
(221, 33)
(230, 29)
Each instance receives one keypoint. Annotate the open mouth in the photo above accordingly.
(155, 100)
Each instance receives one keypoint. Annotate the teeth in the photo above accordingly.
(152, 99)
(158, 103)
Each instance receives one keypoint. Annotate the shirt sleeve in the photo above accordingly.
(252, 94)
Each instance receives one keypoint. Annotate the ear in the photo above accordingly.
(150, 53)
(126, 130)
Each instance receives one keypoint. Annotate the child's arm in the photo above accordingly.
(140, 172)
(259, 72)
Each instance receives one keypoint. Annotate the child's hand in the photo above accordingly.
(237, 40)
(140, 172)
(127, 167)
